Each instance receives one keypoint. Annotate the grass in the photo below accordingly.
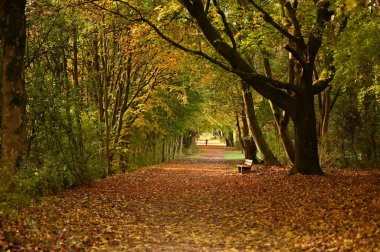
(230, 155)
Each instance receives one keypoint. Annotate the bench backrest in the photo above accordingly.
(248, 162)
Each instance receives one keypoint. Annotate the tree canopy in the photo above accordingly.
(113, 85)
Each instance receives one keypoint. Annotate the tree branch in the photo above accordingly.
(267, 18)
(295, 55)
(322, 83)
(225, 23)
(269, 88)
(315, 38)
(207, 6)
(163, 36)
(293, 17)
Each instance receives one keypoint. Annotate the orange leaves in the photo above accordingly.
(204, 204)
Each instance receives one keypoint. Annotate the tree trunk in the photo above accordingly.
(13, 96)
(78, 108)
(229, 138)
(180, 151)
(106, 105)
(240, 133)
(300, 104)
(281, 117)
(164, 153)
(99, 95)
(249, 146)
(306, 141)
(268, 156)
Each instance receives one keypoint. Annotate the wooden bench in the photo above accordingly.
(246, 167)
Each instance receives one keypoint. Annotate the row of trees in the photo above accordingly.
(89, 89)
(103, 96)
(231, 31)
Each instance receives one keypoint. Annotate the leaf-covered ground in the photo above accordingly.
(205, 205)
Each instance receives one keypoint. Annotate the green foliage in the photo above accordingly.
(51, 160)
(234, 155)
(356, 126)
(357, 53)
(66, 130)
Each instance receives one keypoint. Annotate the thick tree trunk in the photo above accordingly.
(306, 141)
(268, 156)
(13, 97)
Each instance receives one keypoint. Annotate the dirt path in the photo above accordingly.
(214, 152)
(205, 205)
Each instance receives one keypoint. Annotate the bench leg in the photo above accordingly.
(245, 170)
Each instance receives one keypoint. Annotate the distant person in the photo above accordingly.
(206, 142)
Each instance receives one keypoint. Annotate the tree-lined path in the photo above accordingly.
(203, 204)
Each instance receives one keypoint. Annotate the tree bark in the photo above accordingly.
(268, 156)
(106, 104)
(78, 107)
(13, 95)
(282, 118)
(250, 149)
(181, 145)
(99, 82)
(164, 151)
(306, 141)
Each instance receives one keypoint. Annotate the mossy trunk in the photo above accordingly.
(13, 96)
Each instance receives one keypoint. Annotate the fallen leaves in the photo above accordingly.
(204, 204)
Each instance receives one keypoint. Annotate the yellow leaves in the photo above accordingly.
(168, 10)
(352, 4)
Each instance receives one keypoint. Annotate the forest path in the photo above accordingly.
(203, 204)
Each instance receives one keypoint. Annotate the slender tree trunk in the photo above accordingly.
(13, 96)
(1, 80)
(282, 118)
(181, 145)
(164, 153)
(99, 84)
(324, 105)
(250, 149)
(326, 108)
(229, 138)
(240, 133)
(78, 103)
(268, 156)
(106, 104)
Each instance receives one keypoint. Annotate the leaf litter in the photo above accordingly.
(205, 205)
